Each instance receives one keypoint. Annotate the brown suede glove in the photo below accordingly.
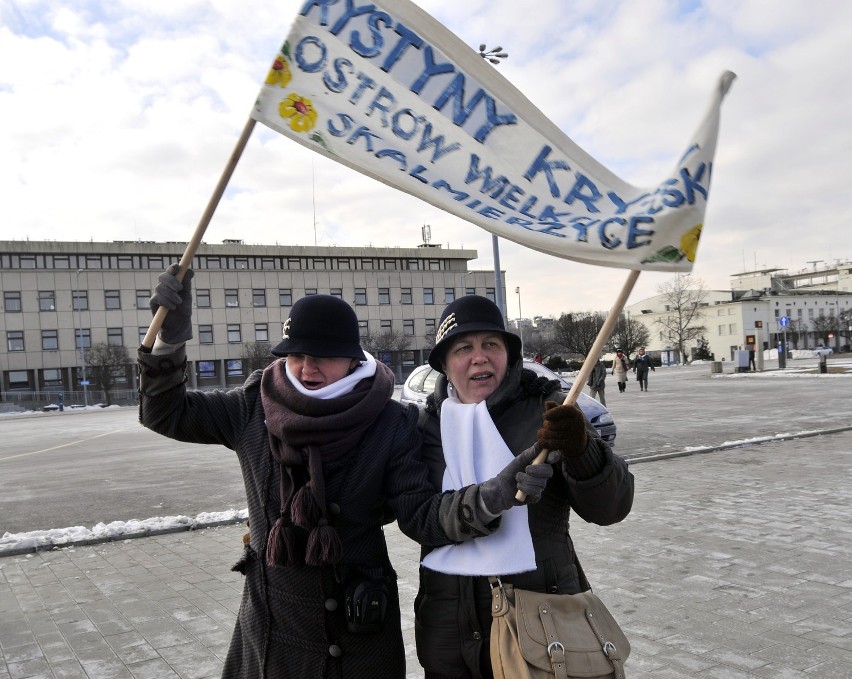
(564, 429)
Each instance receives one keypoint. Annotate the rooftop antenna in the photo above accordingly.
(426, 230)
(814, 262)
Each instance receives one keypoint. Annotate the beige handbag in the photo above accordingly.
(566, 636)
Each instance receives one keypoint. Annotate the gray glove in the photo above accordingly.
(498, 494)
(177, 298)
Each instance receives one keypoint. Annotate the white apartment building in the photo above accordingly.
(61, 297)
(755, 306)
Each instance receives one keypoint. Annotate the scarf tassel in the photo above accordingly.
(324, 546)
(280, 547)
(304, 508)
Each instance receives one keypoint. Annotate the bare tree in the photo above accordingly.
(540, 342)
(628, 335)
(256, 356)
(105, 362)
(683, 297)
(376, 343)
(795, 332)
(823, 326)
(576, 332)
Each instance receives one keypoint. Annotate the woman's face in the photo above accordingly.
(316, 372)
(476, 364)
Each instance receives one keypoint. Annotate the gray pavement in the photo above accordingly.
(733, 564)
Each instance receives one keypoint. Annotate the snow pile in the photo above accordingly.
(105, 532)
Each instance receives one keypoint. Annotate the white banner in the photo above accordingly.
(387, 90)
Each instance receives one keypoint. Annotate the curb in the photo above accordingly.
(654, 457)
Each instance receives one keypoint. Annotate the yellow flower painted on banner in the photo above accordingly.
(300, 110)
(280, 73)
(689, 242)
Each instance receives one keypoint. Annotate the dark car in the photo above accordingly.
(421, 383)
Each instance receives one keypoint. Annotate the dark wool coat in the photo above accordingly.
(291, 620)
(452, 613)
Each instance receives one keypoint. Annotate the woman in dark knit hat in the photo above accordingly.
(327, 458)
(486, 409)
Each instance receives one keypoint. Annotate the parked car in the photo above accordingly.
(823, 351)
(421, 383)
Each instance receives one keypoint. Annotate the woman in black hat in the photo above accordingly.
(327, 458)
(485, 409)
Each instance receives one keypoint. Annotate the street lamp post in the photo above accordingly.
(520, 318)
(83, 381)
(494, 55)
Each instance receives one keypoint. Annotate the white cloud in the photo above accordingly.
(117, 118)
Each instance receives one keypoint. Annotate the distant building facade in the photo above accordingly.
(811, 301)
(59, 295)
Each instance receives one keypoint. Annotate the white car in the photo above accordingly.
(823, 351)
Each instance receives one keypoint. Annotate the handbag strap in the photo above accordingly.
(609, 649)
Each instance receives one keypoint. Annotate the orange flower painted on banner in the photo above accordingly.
(300, 111)
(280, 73)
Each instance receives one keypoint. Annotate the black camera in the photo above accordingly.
(366, 604)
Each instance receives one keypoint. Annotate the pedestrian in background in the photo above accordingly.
(597, 382)
(327, 458)
(619, 370)
(642, 366)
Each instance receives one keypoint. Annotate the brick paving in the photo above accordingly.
(733, 564)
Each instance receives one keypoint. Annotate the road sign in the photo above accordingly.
(85, 383)
(784, 322)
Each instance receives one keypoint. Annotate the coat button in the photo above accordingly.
(477, 636)
(334, 651)
(331, 604)
(334, 509)
(554, 589)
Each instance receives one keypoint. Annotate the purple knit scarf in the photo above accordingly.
(304, 432)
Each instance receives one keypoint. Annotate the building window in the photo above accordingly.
(384, 295)
(142, 299)
(449, 295)
(405, 296)
(15, 340)
(721, 330)
(261, 332)
(83, 336)
(46, 300)
(310, 291)
(363, 328)
(125, 261)
(470, 291)
(428, 295)
(112, 299)
(142, 333)
(336, 292)
(115, 337)
(285, 297)
(430, 329)
(207, 370)
(408, 327)
(234, 367)
(205, 334)
(12, 301)
(408, 359)
(202, 298)
(19, 379)
(360, 296)
(80, 300)
(234, 335)
(489, 293)
(258, 297)
(232, 297)
(387, 326)
(156, 262)
(52, 377)
(49, 340)
(732, 328)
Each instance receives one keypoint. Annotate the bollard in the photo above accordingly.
(823, 365)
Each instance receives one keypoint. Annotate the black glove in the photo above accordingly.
(564, 429)
(177, 298)
(498, 494)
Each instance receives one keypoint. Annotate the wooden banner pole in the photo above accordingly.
(593, 355)
(203, 223)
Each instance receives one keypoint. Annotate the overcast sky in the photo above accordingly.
(117, 118)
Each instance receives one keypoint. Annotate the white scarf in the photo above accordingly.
(342, 386)
(474, 452)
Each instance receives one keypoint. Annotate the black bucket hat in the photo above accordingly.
(470, 313)
(321, 325)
